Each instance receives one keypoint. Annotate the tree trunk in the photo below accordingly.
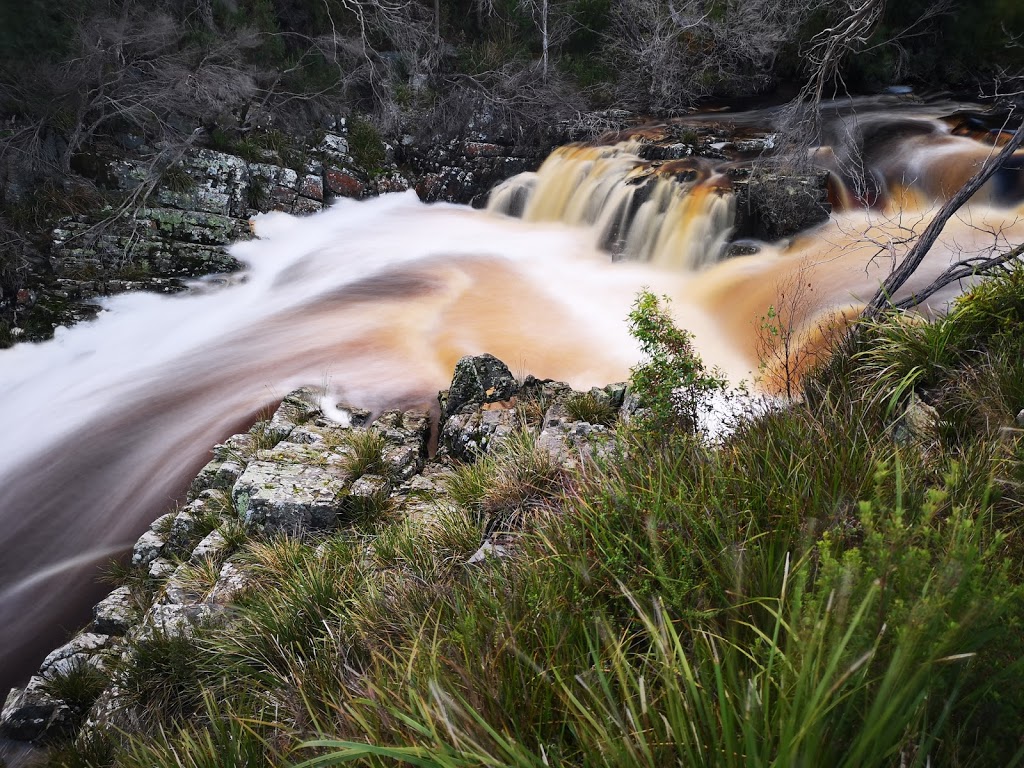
(544, 38)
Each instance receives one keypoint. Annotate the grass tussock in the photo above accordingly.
(817, 589)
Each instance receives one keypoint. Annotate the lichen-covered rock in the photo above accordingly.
(148, 548)
(232, 582)
(297, 408)
(161, 568)
(478, 379)
(289, 498)
(180, 588)
(212, 547)
(83, 648)
(183, 527)
(369, 487)
(213, 476)
(165, 620)
(473, 432)
(573, 443)
(116, 613)
(30, 712)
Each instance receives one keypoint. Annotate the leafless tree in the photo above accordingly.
(675, 51)
(129, 71)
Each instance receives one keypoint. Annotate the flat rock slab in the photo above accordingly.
(289, 498)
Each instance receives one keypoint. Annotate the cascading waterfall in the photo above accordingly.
(676, 215)
(375, 301)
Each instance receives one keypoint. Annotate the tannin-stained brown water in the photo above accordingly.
(375, 301)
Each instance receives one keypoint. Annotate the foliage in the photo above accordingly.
(672, 384)
(590, 408)
(366, 145)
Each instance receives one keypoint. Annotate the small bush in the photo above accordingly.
(177, 179)
(673, 385)
(365, 454)
(366, 145)
(507, 486)
(78, 686)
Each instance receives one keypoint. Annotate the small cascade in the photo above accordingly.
(675, 214)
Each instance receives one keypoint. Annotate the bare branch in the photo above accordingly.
(883, 298)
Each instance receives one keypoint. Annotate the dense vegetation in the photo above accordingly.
(838, 582)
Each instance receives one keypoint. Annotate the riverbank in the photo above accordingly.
(845, 570)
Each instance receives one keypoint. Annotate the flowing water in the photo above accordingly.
(375, 301)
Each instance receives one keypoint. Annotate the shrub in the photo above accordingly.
(673, 385)
(366, 145)
(591, 408)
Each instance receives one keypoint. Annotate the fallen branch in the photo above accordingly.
(882, 300)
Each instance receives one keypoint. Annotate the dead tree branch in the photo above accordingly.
(882, 300)
(977, 266)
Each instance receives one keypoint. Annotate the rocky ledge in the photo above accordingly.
(300, 474)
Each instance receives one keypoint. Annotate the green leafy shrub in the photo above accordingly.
(672, 383)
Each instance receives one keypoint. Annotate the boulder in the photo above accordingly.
(477, 380)
(473, 432)
(289, 498)
(770, 206)
(116, 613)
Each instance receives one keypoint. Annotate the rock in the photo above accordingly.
(219, 473)
(403, 461)
(180, 588)
(466, 435)
(182, 535)
(84, 648)
(297, 408)
(572, 443)
(480, 379)
(30, 712)
(1020, 418)
(370, 487)
(161, 568)
(312, 187)
(289, 498)
(210, 548)
(344, 183)
(148, 548)
(176, 620)
(232, 582)
(116, 613)
(920, 421)
(772, 206)
(334, 147)
(487, 551)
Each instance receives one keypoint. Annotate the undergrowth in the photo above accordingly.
(816, 589)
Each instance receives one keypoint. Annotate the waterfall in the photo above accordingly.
(375, 301)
